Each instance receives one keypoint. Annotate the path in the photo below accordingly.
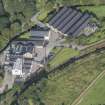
(80, 98)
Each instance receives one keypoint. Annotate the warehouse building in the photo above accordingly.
(70, 22)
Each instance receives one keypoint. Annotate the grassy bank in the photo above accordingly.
(62, 55)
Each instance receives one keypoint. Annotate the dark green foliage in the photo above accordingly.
(2, 11)
(4, 21)
(20, 9)
(80, 2)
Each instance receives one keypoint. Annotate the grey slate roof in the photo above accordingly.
(37, 37)
(23, 46)
(61, 12)
(70, 21)
(38, 32)
(26, 65)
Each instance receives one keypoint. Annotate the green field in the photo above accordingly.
(95, 9)
(25, 35)
(96, 95)
(62, 55)
(64, 87)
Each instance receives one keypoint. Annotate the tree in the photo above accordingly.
(6, 33)
(15, 28)
(4, 21)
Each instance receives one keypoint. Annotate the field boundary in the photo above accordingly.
(80, 98)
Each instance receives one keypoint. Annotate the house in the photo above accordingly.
(25, 56)
(39, 35)
(69, 21)
(20, 57)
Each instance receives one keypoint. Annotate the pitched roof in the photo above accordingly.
(70, 21)
(27, 63)
(37, 36)
(37, 32)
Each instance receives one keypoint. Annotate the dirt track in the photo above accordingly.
(80, 98)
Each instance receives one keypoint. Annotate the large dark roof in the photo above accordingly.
(37, 32)
(37, 36)
(70, 21)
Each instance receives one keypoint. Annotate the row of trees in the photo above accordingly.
(80, 2)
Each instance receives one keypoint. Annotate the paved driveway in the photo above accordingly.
(53, 41)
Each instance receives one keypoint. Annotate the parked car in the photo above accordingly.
(51, 55)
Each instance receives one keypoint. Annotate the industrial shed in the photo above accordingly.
(70, 21)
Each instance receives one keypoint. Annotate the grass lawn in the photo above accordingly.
(62, 55)
(42, 15)
(56, 50)
(65, 86)
(25, 36)
(30, 102)
(96, 95)
(45, 11)
(95, 9)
